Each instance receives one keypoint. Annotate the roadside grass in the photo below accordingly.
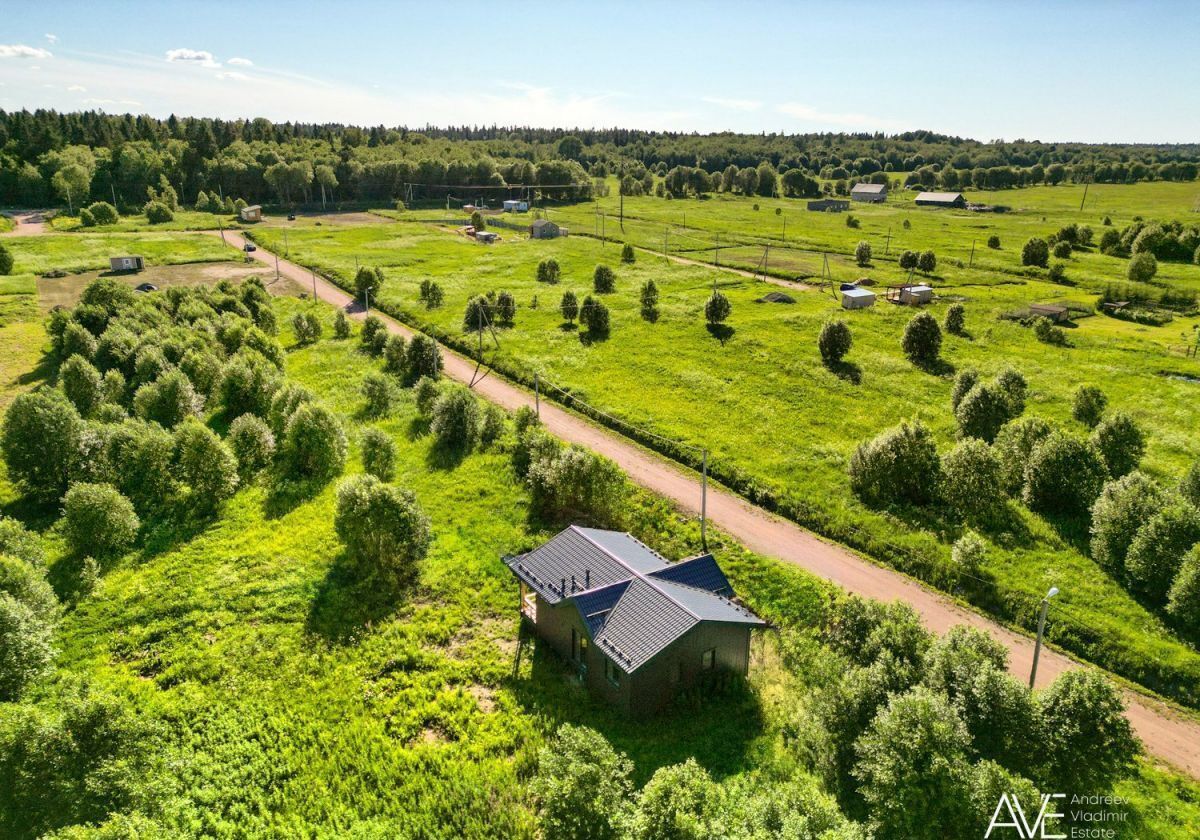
(90, 251)
(780, 426)
(6, 224)
(185, 220)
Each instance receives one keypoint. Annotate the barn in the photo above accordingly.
(636, 628)
(126, 263)
(871, 193)
(253, 213)
(1055, 312)
(545, 229)
(941, 199)
(828, 205)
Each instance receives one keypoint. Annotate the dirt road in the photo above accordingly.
(1167, 735)
(28, 224)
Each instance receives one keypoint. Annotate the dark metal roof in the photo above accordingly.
(869, 188)
(633, 602)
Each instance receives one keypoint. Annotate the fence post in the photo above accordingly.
(704, 500)
(537, 397)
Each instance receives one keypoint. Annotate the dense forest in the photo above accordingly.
(47, 157)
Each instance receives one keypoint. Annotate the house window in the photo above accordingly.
(708, 659)
(612, 672)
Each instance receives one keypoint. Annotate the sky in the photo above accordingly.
(1054, 71)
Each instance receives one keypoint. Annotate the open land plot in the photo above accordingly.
(65, 291)
(772, 414)
(91, 251)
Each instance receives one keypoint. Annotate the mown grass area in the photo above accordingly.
(781, 426)
(90, 251)
(22, 337)
(184, 220)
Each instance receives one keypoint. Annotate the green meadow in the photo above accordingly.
(780, 426)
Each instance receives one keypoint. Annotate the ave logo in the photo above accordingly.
(1016, 818)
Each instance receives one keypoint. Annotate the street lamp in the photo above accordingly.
(1037, 648)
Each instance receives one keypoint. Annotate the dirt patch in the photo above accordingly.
(485, 698)
(65, 291)
(346, 219)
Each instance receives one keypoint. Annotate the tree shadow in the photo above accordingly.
(721, 332)
(446, 457)
(418, 427)
(591, 337)
(349, 601)
(650, 314)
(39, 374)
(848, 371)
(1072, 528)
(569, 326)
(934, 367)
(285, 495)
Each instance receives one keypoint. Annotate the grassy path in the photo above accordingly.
(1167, 735)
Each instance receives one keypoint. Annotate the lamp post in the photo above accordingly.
(1037, 648)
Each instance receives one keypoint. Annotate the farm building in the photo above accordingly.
(126, 263)
(487, 237)
(873, 193)
(1054, 311)
(253, 213)
(856, 298)
(829, 205)
(941, 199)
(636, 628)
(515, 205)
(545, 229)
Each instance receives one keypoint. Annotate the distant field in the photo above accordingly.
(773, 416)
(90, 251)
(65, 291)
(184, 220)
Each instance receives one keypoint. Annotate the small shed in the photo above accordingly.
(872, 193)
(515, 205)
(828, 205)
(856, 298)
(126, 263)
(487, 237)
(940, 199)
(253, 213)
(914, 295)
(1054, 311)
(544, 229)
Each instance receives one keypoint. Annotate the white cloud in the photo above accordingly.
(53, 39)
(203, 58)
(124, 103)
(23, 51)
(241, 62)
(733, 104)
(807, 114)
(77, 88)
(233, 75)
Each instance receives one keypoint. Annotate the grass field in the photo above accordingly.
(288, 701)
(781, 425)
(90, 251)
(185, 220)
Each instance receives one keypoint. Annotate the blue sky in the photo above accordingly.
(1051, 70)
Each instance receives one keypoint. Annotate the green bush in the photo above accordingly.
(594, 314)
(574, 485)
(862, 253)
(971, 481)
(927, 262)
(18, 542)
(456, 420)
(1062, 250)
(81, 383)
(86, 219)
(569, 306)
(476, 317)
(425, 394)
(1142, 267)
(395, 355)
(253, 444)
(899, 465)
(834, 341)
(307, 327)
(679, 802)
(1183, 600)
(314, 444)
(1158, 548)
(143, 452)
(1057, 272)
(424, 357)
(908, 259)
(603, 280)
(25, 647)
(158, 213)
(1189, 485)
(382, 527)
(1064, 475)
(1087, 742)
(548, 271)
(248, 383)
(1046, 332)
(40, 436)
(341, 325)
(922, 340)
(378, 453)
(284, 403)
(1088, 405)
(983, 411)
(964, 381)
(1124, 505)
(205, 464)
(648, 297)
(1120, 442)
(1035, 252)
(6, 260)
(956, 319)
(368, 280)
(582, 787)
(98, 520)
(77, 341)
(717, 308)
(968, 554)
(27, 584)
(104, 213)
(628, 255)
(168, 401)
(993, 242)
(379, 394)
(373, 332)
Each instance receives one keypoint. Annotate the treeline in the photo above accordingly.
(47, 157)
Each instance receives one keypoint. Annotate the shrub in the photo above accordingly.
(104, 213)
(379, 393)
(679, 802)
(284, 404)
(1064, 475)
(569, 306)
(971, 479)
(1142, 267)
(594, 314)
(432, 294)
(456, 420)
(1057, 272)
(314, 444)
(368, 280)
(98, 520)
(158, 213)
(993, 242)
(968, 554)
(382, 527)
(899, 465)
(983, 411)
(425, 393)
(205, 464)
(649, 300)
(1124, 505)
(113, 387)
(603, 280)
(307, 327)
(492, 425)
(1089, 404)
(908, 259)
(378, 453)
(548, 271)
(927, 262)
(717, 308)
(1014, 447)
(1158, 548)
(1120, 442)
(77, 341)
(862, 253)
(247, 384)
(956, 319)
(1035, 252)
(628, 255)
(834, 341)
(1062, 249)
(1189, 485)
(575, 485)
(1183, 600)
(1046, 332)
(19, 543)
(202, 368)
(86, 219)
(341, 325)
(582, 787)
(475, 317)
(373, 329)
(1088, 743)
(27, 585)
(81, 384)
(41, 432)
(168, 401)
(424, 357)
(143, 452)
(922, 340)
(253, 444)
(964, 381)
(25, 647)
(851, 221)
(506, 308)
(1015, 387)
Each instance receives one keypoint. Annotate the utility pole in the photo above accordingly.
(286, 252)
(314, 278)
(537, 397)
(666, 233)
(622, 212)
(888, 246)
(972, 262)
(1086, 184)
(704, 499)
(766, 256)
(785, 228)
(367, 299)
(1037, 648)
(717, 251)
(276, 268)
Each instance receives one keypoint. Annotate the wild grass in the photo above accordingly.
(90, 251)
(184, 220)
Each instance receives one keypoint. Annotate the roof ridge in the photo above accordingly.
(634, 572)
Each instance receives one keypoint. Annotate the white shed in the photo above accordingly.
(856, 298)
(253, 213)
(126, 263)
(515, 205)
(916, 294)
